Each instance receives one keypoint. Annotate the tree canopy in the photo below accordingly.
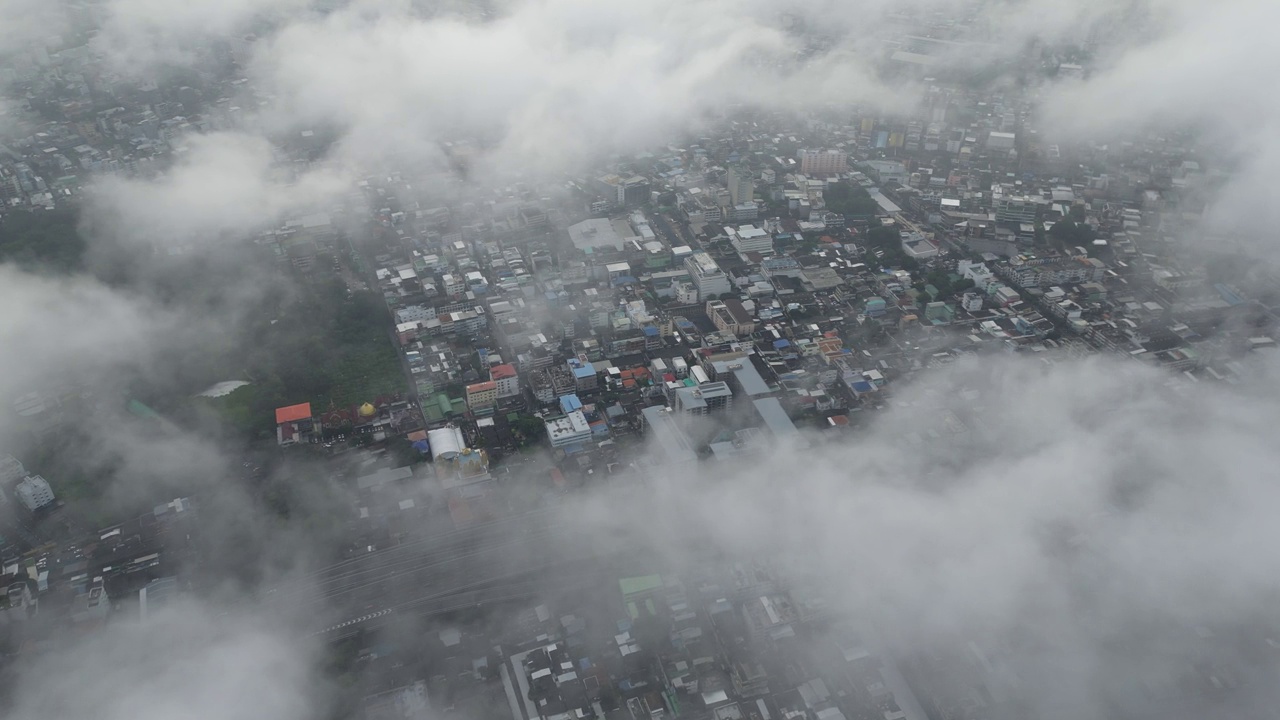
(42, 239)
(888, 240)
(1070, 233)
(849, 200)
(322, 347)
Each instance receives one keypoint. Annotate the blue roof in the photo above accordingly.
(569, 403)
(650, 331)
(862, 386)
(1228, 294)
(582, 371)
(777, 344)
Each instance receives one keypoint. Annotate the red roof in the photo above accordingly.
(498, 372)
(293, 413)
(460, 511)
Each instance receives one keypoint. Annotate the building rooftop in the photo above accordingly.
(501, 372)
(293, 413)
(672, 444)
(704, 264)
(382, 477)
(581, 369)
(575, 423)
(779, 423)
(746, 375)
(595, 232)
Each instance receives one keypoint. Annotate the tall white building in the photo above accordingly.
(10, 469)
(742, 187)
(706, 275)
(823, 162)
(34, 492)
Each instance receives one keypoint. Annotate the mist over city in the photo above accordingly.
(676, 360)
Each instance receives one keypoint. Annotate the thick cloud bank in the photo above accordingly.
(1095, 531)
(1084, 518)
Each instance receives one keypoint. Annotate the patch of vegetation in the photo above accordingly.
(888, 239)
(46, 240)
(849, 200)
(1068, 234)
(941, 280)
(325, 346)
(528, 430)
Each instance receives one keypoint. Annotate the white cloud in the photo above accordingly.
(186, 661)
(223, 185)
(1084, 508)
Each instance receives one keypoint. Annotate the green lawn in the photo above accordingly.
(324, 347)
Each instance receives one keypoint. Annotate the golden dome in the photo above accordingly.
(367, 410)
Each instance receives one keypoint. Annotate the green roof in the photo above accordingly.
(642, 584)
(143, 411)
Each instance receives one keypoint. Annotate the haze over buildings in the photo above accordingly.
(671, 359)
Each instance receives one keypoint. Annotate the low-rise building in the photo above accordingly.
(703, 399)
(823, 163)
(507, 380)
(669, 444)
(584, 374)
(730, 316)
(482, 397)
(917, 247)
(570, 429)
(11, 470)
(750, 238)
(34, 492)
(294, 424)
(543, 388)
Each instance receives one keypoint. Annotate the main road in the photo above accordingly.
(506, 559)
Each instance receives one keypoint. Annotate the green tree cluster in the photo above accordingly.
(1069, 233)
(47, 240)
(888, 240)
(528, 429)
(324, 346)
(941, 279)
(849, 200)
